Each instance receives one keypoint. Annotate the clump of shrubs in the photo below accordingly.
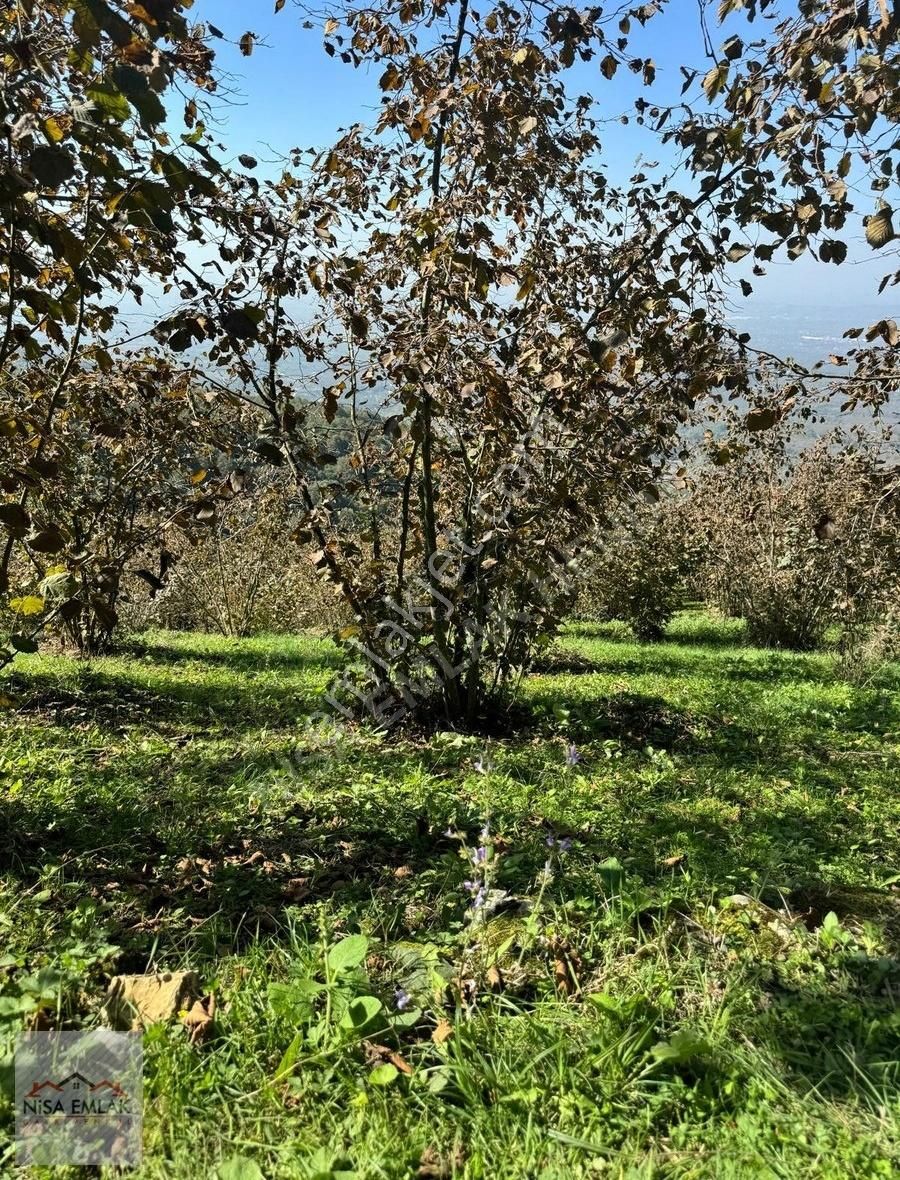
(865, 650)
(640, 568)
(248, 574)
(798, 543)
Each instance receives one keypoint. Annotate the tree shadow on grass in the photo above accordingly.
(713, 736)
(837, 1035)
(688, 630)
(242, 656)
(174, 845)
(734, 840)
(177, 874)
(97, 696)
(181, 804)
(831, 1041)
(678, 662)
(199, 841)
(634, 720)
(153, 859)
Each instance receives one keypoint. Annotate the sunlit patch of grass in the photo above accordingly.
(702, 982)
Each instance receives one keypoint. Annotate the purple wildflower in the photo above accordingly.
(479, 856)
(479, 899)
(573, 757)
(563, 843)
(402, 999)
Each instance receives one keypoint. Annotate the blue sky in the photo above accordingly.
(290, 93)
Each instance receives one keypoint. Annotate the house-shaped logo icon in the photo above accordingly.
(75, 1095)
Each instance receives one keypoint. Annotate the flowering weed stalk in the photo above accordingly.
(482, 859)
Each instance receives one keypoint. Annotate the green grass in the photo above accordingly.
(705, 985)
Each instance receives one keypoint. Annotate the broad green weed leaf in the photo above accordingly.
(361, 1012)
(239, 1167)
(348, 953)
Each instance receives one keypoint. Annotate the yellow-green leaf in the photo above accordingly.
(29, 604)
(53, 129)
(715, 80)
(527, 286)
(879, 229)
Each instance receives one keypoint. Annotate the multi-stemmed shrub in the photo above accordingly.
(797, 543)
(640, 569)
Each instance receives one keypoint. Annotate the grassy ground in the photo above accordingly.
(688, 963)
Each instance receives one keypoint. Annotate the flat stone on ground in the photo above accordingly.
(135, 1001)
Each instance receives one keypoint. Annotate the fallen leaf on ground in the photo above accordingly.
(431, 1166)
(380, 1054)
(443, 1031)
(199, 1019)
(563, 976)
(400, 1062)
(296, 889)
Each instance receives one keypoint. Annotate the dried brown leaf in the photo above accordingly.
(199, 1019)
(443, 1031)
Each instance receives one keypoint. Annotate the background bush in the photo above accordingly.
(794, 544)
(248, 574)
(640, 569)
